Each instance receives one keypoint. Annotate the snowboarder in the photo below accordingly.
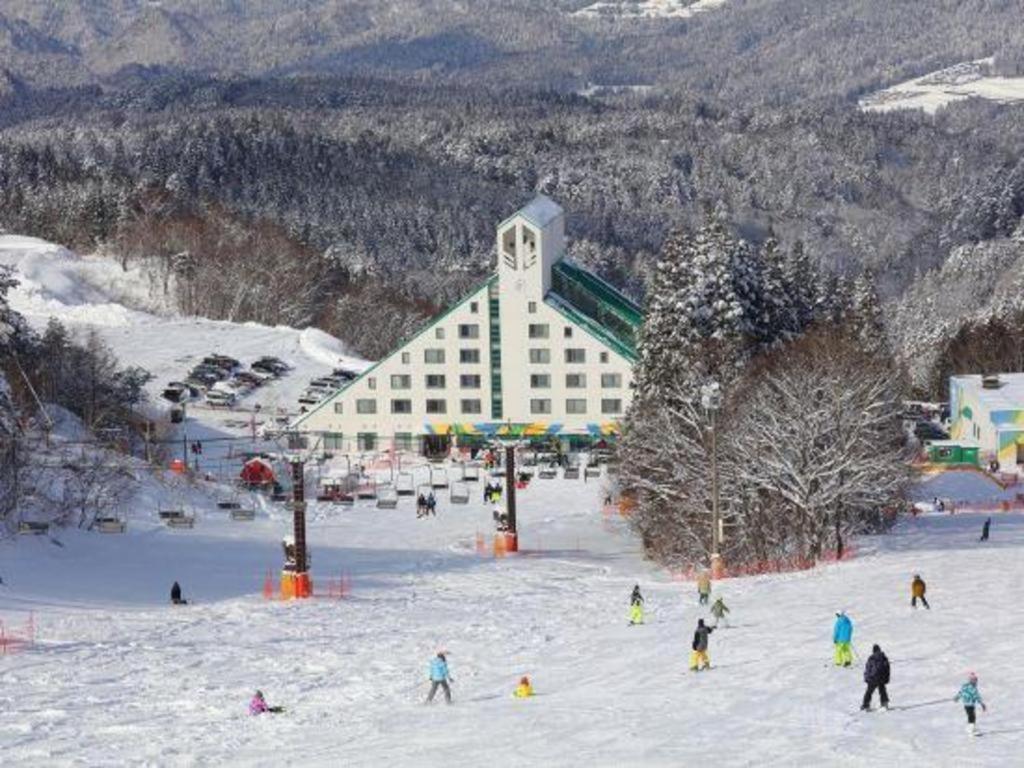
(176, 598)
(525, 688)
(842, 637)
(968, 695)
(984, 529)
(917, 590)
(718, 610)
(431, 504)
(876, 675)
(636, 606)
(258, 705)
(440, 678)
(421, 505)
(703, 587)
(699, 658)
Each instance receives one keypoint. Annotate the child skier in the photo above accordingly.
(636, 606)
(968, 695)
(917, 590)
(876, 675)
(699, 658)
(258, 705)
(703, 588)
(984, 529)
(440, 678)
(718, 610)
(525, 688)
(842, 637)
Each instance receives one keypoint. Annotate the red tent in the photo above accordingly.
(257, 472)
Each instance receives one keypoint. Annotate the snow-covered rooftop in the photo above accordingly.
(540, 211)
(1008, 397)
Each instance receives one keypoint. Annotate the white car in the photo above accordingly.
(218, 397)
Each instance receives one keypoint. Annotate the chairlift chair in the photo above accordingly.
(387, 497)
(438, 478)
(459, 493)
(471, 473)
(571, 472)
(549, 472)
(367, 489)
(404, 485)
(593, 470)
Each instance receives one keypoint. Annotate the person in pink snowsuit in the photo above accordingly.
(258, 705)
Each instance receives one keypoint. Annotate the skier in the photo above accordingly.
(636, 606)
(876, 675)
(258, 705)
(699, 658)
(842, 637)
(176, 595)
(703, 587)
(718, 610)
(968, 695)
(439, 677)
(917, 590)
(984, 529)
(525, 688)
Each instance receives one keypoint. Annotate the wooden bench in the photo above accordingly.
(243, 514)
(33, 529)
(182, 521)
(110, 525)
(572, 473)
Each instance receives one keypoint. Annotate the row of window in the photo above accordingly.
(466, 330)
(576, 381)
(538, 406)
(541, 356)
(538, 356)
(401, 381)
(543, 331)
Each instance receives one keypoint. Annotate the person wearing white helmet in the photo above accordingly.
(969, 696)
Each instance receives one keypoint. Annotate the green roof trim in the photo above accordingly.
(406, 342)
(594, 304)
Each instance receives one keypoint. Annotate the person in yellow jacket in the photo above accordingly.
(524, 690)
(703, 587)
(917, 590)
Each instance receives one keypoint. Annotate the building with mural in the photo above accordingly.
(542, 348)
(988, 412)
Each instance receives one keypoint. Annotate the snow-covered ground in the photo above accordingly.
(118, 677)
(126, 311)
(647, 9)
(938, 89)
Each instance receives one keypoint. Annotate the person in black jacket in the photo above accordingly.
(984, 529)
(876, 675)
(176, 598)
(699, 656)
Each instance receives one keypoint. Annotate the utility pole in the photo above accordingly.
(510, 496)
(296, 583)
(711, 399)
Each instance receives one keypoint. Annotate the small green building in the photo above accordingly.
(952, 452)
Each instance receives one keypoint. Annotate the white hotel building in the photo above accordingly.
(542, 348)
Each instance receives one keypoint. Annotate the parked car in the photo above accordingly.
(251, 378)
(211, 370)
(218, 397)
(929, 430)
(271, 365)
(312, 396)
(175, 393)
(344, 374)
(205, 379)
(199, 386)
(323, 384)
(224, 361)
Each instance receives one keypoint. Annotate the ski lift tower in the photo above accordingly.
(295, 580)
(711, 400)
(512, 532)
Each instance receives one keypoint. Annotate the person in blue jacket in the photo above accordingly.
(968, 696)
(842, 637)
(439, 677)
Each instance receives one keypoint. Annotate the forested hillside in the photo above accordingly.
(345, 165)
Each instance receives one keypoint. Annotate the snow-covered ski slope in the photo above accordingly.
(969, 79)
(120, 678)
(646, 9)
(128, 312)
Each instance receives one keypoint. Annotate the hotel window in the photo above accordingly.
(575, 380)
(405, 358)
(371, 383)
(366, 406)
(611, 406)
(403, 441)
(531, 307)
(540, 355)
(469, 381)
(433, 356)
(540, 406)
(401, 406)
(338, 408)
(435, 381)
(575, 355)
(604, 357)
(574, 405)
(469, 355)
(334, 441)
(366, 441)
(611, 380)
(540, 381)
(437, 406)
(401, 381)
(469, 331)
(471, 406)
(567, 332)
(474, 307)
(439, 333)
(539, 331)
